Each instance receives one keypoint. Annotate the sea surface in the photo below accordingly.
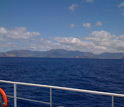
(90, 74)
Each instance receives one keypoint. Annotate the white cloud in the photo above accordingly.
(89, 1)
(79, 44)
(68, 40)
(99, 23)
(72, 26)
(17, 33)
(96, 42)
(121, 37)
(72, 43)
(2, 31)
(121, 5)
(73, 7)
(16, 38)
(110, 42)
(87, 25)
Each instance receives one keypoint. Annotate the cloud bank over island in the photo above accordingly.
(96, 42)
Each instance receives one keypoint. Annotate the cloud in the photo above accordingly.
(17, 33)
(68, 40)
(111, 43)
(72, 26)
(121, 37)
(73, 43)
(121, 5)
(89, 1)
(20, 38)
(16, 38)
(100, 38)
(73, 7)
(95, 42)
(99, 23)
(87, 25)
(80, 44)
(2, 31)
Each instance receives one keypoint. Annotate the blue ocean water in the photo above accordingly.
(90, 74)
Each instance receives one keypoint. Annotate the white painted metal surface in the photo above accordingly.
(59, 88)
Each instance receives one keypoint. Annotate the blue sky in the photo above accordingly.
(86, 25)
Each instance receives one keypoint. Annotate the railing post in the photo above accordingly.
(112, 101)
(50, 97)
(15, 99)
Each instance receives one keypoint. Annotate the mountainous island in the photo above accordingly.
(61, 53)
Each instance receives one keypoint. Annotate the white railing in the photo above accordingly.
(55, 87)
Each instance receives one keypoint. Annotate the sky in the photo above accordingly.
(95, 26)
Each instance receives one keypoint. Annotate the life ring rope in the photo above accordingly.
(4, 98)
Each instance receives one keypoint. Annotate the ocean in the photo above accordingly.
(90, 74)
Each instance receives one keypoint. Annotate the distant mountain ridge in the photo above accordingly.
(60, 53)
(122, 58)
(55, 53)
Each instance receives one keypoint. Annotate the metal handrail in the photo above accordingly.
(60, 88)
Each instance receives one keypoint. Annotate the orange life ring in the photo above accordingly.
(4, 99)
